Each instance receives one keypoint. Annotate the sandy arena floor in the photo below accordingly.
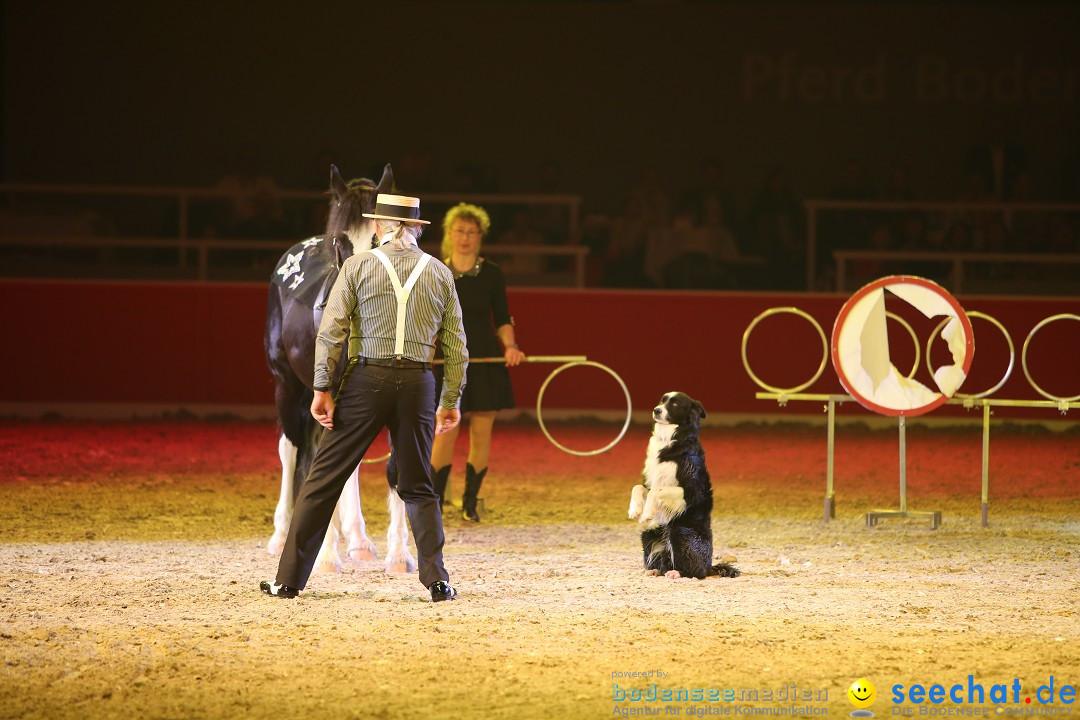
(131, 553)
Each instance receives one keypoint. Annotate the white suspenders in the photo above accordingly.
(402, 293)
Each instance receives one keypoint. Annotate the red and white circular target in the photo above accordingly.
(860, 347)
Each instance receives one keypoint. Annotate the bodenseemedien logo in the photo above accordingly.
(862, 695)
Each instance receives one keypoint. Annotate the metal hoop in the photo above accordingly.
(540, 400)
(372, 461)
(914, 341)
(1023, 357)
(824, 349)
(1008, 339)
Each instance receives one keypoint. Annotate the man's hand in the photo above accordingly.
(446, 420)
(322, 409)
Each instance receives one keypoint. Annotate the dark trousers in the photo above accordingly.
(371, 398)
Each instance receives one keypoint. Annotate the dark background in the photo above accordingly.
(157, 93)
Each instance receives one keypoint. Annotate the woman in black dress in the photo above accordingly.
(489, 330)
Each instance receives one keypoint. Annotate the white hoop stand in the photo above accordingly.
(567, 362)
(980, 399)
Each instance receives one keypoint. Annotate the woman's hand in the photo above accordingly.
(322, 409)
(513, 356)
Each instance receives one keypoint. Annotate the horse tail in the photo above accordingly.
(305, 451)
(289, 392)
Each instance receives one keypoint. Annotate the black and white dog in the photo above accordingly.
(674, 505)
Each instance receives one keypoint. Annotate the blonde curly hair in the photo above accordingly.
(464, 211)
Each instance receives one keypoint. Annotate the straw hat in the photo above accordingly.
(397, 207)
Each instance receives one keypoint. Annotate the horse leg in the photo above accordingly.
(283, 511)
(329, 559)
(398, 559)
(353, 526)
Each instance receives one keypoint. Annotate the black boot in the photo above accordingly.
(439, 479)
(472, 488)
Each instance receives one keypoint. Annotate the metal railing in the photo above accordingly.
(954, 261)
(1004, 210)
(193, 254)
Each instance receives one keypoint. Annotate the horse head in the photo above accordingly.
(346, 223)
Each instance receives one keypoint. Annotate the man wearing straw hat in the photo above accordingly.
(395, 303)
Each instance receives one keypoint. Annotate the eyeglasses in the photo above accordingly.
(465, 233)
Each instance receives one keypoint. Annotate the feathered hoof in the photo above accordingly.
(673, 574)
(362, 554)
(399, 567)
(276, 543)
(328, 566)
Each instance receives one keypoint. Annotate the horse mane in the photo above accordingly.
(349, 201)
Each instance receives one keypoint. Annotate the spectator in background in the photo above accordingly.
(1061, 235)
(1070, 177)
(995, 241)
(997, 159)
(845, 229)
(973, 191)
(912, 235)
(1029, 227)
(710, 202)
(624, 262)
(775, 230)
(551, 220)
(522, 233)
(252, 206)
(711, 207)
(865, 270)
(690, 261)
(958, 238)
(899, 188)
(317, 211)
(651, 201)
(418, 171)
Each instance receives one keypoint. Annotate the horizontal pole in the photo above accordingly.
(819, 397)
(1014, 403)
(528, 359)
(813, 397)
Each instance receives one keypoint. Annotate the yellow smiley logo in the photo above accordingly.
(862, 693)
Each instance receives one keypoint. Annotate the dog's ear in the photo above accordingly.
(699, 409)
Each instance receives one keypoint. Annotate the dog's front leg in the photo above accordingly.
(661, 506)
(637, 501)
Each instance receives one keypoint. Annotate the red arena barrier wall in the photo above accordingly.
(201, 344)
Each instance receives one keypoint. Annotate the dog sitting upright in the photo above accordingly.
(674, 506)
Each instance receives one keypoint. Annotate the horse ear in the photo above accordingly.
(386, 184)
(337, 185)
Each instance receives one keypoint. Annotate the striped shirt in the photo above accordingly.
(362, 302)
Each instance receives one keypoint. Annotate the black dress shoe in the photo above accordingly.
(441, 590)
(272, 589)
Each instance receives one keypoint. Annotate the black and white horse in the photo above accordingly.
(297, 297)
